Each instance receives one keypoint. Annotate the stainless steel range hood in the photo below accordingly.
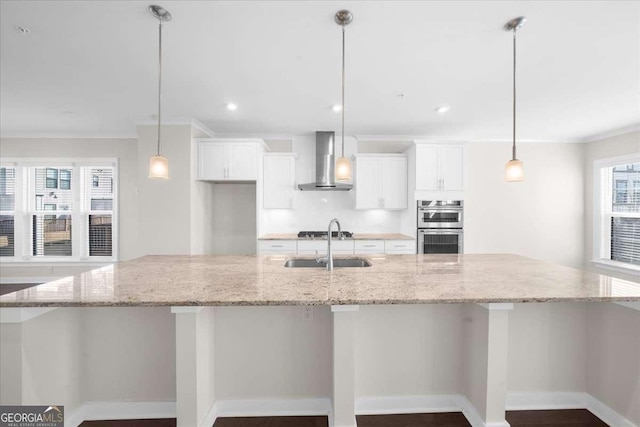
(325, 165)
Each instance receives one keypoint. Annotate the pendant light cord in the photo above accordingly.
(159, 82)
(514, 93)
(343, 49)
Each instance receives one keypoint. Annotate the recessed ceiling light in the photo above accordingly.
(337, 108)
(442, 109)
(232, 107)
(22, 30)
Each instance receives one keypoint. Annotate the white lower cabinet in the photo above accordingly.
(338, 247)
(369, 246)
(400, 247)
(285, 247)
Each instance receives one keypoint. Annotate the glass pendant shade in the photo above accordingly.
(343, 169)
(514, 171)
(159, 167)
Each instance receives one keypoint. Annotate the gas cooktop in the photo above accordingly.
(323, 234)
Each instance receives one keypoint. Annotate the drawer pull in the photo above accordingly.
(369, 246)
(277, 246)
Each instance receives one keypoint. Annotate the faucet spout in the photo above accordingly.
(329, 251)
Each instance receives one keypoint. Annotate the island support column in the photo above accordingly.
(194, 366)
(344, 396)
(485, 367)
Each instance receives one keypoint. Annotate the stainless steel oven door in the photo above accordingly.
(440, 241)
(439, 218)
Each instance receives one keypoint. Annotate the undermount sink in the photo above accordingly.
(337, 263)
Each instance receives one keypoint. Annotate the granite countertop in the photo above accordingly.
(263, 280)
(356, 236)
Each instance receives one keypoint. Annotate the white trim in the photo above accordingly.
(407, 404)
(546, 400)
(499, 306)
(263, 136)
(340, 308)
(273, 407)
(94, 411)
(634, 305)
(620, 267)
(211, 416)
(611, 133)
(22, 314)
(186, 309)
(606, 414)
(219, 140)
(598, 166)
(471, 413)
(199, 126)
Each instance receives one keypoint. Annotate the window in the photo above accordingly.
(617, 215)
(57, 212)
(7, 211)
(51, 178)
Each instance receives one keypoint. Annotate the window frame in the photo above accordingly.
(599, 194)
(24, 209)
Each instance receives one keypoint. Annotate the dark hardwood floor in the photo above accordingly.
(8, 288)
(163, 422)
(272, 422)
(559, 418)
(445, 419)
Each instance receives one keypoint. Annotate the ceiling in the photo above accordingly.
(89, 68)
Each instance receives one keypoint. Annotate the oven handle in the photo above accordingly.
(439, 231)
(449, 210)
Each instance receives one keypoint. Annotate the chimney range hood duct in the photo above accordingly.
(325, 165)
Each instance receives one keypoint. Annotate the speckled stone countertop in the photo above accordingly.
(263, 280)
(356, 236)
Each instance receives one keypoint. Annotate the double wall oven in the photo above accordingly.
(440, 226)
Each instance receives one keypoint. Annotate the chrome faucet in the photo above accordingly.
(329, 252)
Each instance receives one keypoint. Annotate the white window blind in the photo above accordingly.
(619, 203)
(62, 211)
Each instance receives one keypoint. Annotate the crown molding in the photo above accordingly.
(611, 133)
(176, 121)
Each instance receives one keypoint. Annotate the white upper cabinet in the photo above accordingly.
(380, 181)
(228, 160)
(279, 181)
(439, 167)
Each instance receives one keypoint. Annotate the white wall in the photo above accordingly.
(613, 365)
(541, 217)
(408, 350)
(603, 149)
(547, 348)
(164, 217)
(128, 354)
(231, 215)
(314, 209)
(271, 352)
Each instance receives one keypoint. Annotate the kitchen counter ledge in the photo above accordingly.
(263, 280)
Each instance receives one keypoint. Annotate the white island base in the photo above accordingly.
(199, 363)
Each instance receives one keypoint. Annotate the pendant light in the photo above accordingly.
(343, 165)
(159, 165)
(514, 169)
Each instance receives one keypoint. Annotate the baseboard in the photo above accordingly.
(471, 413)
(542, 401)
(606, 414)
(272, 407)
(94, 411)
(407, 404)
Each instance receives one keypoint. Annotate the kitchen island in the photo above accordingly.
(411, 333)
